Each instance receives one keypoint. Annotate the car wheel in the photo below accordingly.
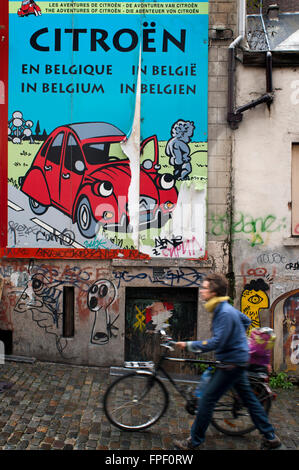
(36, 207)
(86, 222)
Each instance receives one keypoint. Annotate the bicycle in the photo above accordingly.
(137, 400)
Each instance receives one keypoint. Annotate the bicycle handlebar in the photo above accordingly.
(168, 341)
(169, 345)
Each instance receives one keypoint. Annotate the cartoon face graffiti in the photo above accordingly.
(253, 299)
(100, 296)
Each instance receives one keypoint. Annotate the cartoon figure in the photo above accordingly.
(253, 299)
(178, 150)
(29, 7)
(100, 295)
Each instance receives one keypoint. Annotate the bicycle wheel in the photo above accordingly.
(135, 401)
(232, 418)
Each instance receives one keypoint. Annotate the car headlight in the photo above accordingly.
(108, 215)
(104, 189)
(169, 205)
(166, 181)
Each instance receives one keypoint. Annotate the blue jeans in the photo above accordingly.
(221, 381)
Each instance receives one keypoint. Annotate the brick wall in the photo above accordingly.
(224, 13)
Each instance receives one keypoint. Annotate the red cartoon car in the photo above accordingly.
(29, 7)
(77, 172)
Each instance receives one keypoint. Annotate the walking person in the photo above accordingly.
(229, 341)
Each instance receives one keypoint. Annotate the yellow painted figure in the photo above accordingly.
(253, 299)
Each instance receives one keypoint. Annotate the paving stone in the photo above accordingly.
(59, 406)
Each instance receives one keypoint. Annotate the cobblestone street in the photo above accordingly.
(59, 407)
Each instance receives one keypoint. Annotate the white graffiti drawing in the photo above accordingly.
(100, 296)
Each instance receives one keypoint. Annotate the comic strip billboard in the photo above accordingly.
(87, 80)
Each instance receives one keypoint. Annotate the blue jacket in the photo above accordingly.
(229, 338)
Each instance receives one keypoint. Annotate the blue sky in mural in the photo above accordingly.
(175, 82)
(51, 104)
(174, 69)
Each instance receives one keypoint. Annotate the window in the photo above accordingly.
(68, 312)
(54, 152)
(295, 190)
(73, 156)
(5, 342)
(45, 148)
(96, 153)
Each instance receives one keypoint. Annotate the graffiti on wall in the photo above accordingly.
(285, 321)
(254, 298)
(153, 317)
(42, 296)
(36, 290)
(256, 229)
(291, 332)
(188, 277)
(258, 273)
(100, 296)
(151, 309)
(42, 299)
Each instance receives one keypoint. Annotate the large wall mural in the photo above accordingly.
(77, 75)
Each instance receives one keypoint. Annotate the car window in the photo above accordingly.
(148, 151)
(54, 152)
(115, 152)
(73, 160)
(96, 152)
(44, 148)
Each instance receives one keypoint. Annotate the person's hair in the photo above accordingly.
(217, 283)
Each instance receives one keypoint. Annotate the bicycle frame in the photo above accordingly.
(175, 359)
(153, 369)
